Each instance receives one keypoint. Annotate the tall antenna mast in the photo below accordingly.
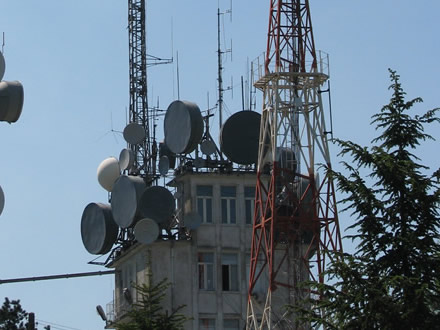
(220, 76)
(296, 222)
(138, 111)
(220, 52)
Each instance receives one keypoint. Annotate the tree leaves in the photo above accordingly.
(12, 315)
(147, 312)
(391, 281)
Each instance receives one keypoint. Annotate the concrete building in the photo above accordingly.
(208, 268)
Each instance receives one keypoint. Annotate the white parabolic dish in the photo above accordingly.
(108, 172)
(126, 159)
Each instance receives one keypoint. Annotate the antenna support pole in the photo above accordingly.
(296, 224)
(138, 111)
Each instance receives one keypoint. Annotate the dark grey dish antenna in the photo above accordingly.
(183, 127)
(2, 66)
(207, 147)
(157, 203)
(98, 229)
(134, 133)
(239, 137)
(127, 191)
(146, 231)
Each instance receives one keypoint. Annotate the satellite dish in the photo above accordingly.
(157, 203)
(125, 196)
(165, 151)
(2, 66)
(2, 200)
(239, 137)
(183, 127)
(101, 313)
(199, 162)
(207, 147)
(146, 231)
(192, 220)
(164, 165)
(108, 172)
(11, 100)
(98, 229)
(134, 133)
(126, 159)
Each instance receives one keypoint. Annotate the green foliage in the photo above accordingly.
(12, 315)
(148, 314)
(392, 279)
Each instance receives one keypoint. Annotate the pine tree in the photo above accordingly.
(12, 315)
(148, 314)
(392, 279)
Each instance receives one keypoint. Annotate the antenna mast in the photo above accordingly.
(220, 65)
(220, 76)
(138, 111)
(296, 222)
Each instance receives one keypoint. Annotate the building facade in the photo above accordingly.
(209, 267)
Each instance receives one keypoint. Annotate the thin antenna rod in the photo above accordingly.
(172, 53)
(242, 93)
(178, 76)
(330, 108)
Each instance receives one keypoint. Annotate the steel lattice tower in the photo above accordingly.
(295, 220)
(138, 112)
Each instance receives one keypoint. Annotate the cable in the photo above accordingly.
(56, 326)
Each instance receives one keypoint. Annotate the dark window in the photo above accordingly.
(229, 272)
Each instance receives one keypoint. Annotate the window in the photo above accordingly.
(204, 203)
(229, 272)
(227, 196)
(207, 324)
(249, 204)
(231, 324)
(206, 271)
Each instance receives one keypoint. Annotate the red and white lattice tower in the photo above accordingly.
(295, 221)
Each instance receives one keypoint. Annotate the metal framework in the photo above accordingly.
(295, 220)
(138, 112)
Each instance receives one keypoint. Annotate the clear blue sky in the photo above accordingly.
(72, 58)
